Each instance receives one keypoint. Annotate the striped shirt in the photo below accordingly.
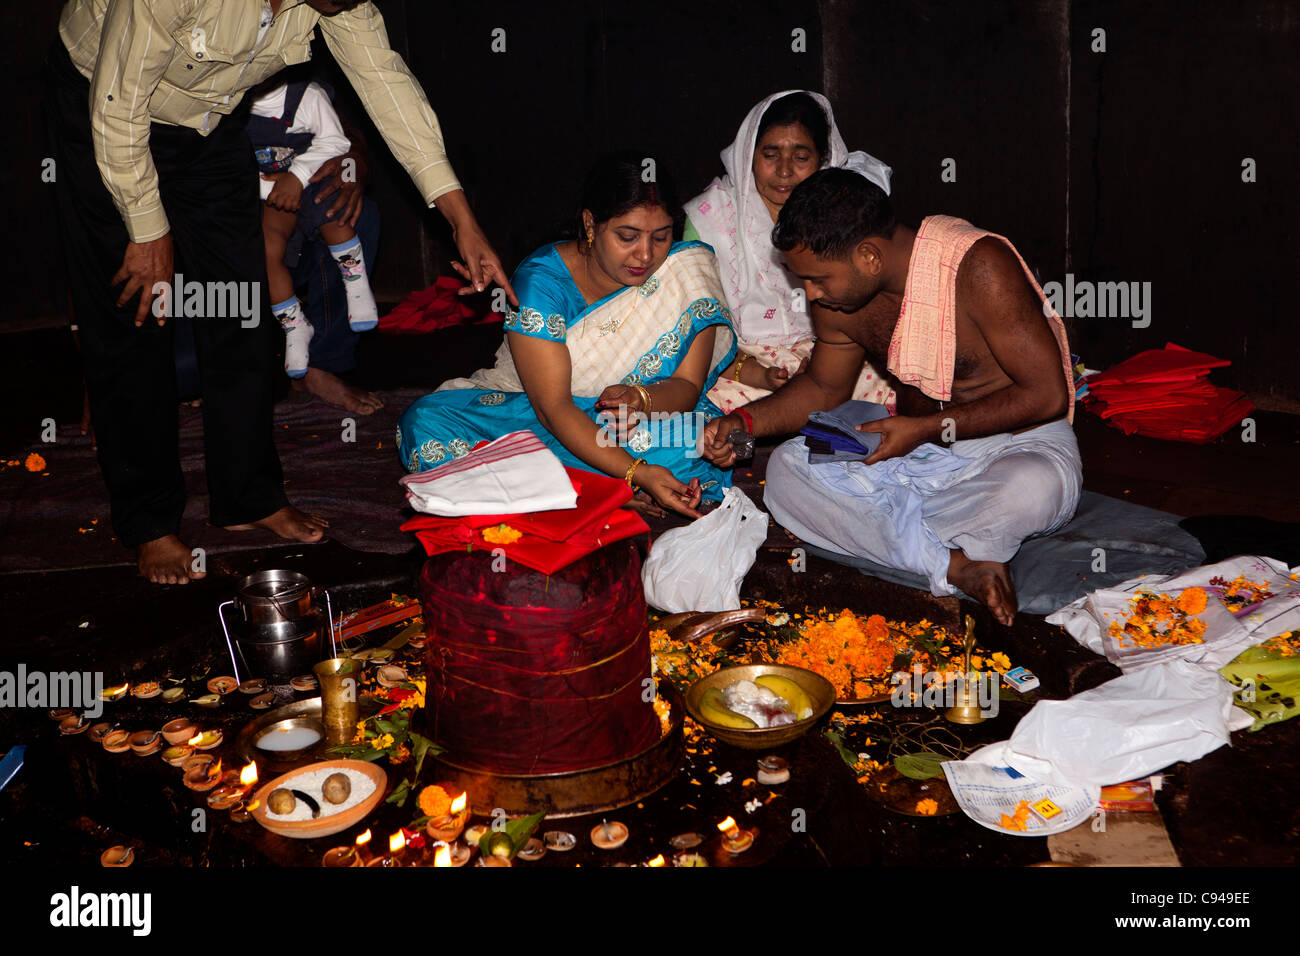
(189, 62)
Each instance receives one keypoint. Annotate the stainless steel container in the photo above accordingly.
(278, 624)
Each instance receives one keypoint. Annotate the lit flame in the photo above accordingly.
(657, 861)
(397, 842)
(115, 691)
(363, 839)
(196, 739)
(250, 807)
(248, 776)
(442, 856)
(728, 826)
(458, 805)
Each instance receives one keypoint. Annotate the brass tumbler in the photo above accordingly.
(339, 687)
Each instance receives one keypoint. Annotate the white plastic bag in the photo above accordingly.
(700, 567)
(1127, 728)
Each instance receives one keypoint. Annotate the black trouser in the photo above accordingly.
(209, 188)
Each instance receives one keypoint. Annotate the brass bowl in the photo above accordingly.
(818, 688)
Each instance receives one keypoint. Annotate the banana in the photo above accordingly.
(715, 711)
(794, 695)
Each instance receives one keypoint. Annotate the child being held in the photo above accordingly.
(294, 129)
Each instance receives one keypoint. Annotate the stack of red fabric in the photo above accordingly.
(1167, 394)
(436, 307)
(545, 541)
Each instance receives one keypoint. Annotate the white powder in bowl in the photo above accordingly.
(311, 783)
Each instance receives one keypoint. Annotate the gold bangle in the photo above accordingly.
(740, 363)
(645, 398)
(632, 470)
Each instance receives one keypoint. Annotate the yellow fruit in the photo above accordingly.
(713, 710)
(794, 695)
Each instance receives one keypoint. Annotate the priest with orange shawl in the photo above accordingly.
(981, 454)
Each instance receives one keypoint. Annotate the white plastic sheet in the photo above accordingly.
(700, 567)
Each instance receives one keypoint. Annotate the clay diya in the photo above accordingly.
(559, 840)
(206, 740)
(475, 833)
(75, 724)
(146, 690)
(609, 836)
(534, 849)
(225, 797)
(390, 675)
(448, 828)
(197, 762)
(222, 685)
(772, 770)
(256, 685)
(208, 700)
(686, 841)
(202, 778)
(341, 856)
(262, 701)
(172, 694)
(178, 731)
(304, 682)
(145, 742)
(116, 741)
(99, 731)
(62, 713)
(116, 856)
(177, 754)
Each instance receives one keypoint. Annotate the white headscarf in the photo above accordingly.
(731, 217)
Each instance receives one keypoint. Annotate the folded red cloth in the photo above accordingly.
(433, 308)
(550, 540)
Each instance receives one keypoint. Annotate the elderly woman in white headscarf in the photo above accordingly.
(784, 140)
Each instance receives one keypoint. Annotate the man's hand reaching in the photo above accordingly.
(144, 265)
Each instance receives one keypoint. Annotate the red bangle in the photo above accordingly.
(749, 421)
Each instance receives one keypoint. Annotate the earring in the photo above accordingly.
(591, 237)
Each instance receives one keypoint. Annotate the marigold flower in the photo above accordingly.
(435, 801)
(501, 534)
(34, 462)
(1192, 601)
(927, 807)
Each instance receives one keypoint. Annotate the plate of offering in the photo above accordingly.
(301, 804)
(759, 706)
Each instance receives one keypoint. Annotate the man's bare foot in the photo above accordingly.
(167, 560)
(289, 523)
(328, 387)
(988, 582)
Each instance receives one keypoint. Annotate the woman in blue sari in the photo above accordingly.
(618, 337)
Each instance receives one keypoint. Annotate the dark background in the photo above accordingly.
(1117, 166)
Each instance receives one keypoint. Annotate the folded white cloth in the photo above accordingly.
(515, 474)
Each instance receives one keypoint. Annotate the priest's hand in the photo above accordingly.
(899, 435)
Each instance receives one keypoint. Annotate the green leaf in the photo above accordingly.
(400, 793)
(521, 829)
(421, 747)
(848, 756)
(920, 766)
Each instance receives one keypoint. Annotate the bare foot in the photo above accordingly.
(289, 523)
(988, 582)
(167, 560)
(643, 503)
(328, 387)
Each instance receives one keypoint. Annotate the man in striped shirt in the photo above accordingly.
(156, 178)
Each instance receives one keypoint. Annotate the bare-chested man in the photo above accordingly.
(956, 484)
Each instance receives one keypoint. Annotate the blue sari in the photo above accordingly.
(638, 335)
